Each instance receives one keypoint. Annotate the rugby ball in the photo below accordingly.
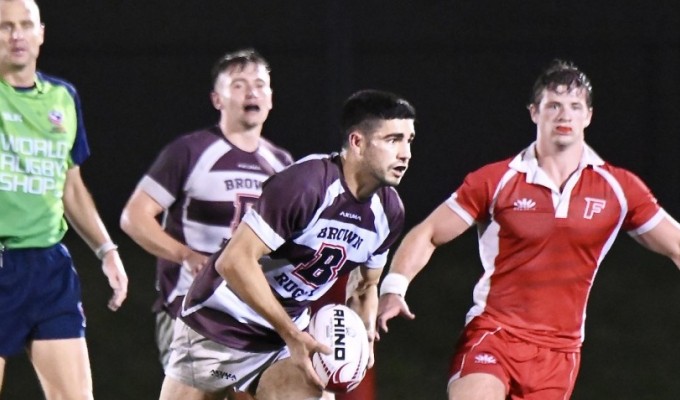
(340, 328)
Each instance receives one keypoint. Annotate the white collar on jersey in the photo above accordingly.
(527, 161)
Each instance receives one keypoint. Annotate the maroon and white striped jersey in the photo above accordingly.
(317, 231)
(206, 184)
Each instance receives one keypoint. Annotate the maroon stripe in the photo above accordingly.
(218, 213)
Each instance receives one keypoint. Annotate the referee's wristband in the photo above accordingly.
(105, 248)
(394, 283)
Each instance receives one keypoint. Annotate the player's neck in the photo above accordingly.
(559, 163)
(356, 180)
(245, 139)
(19, 78)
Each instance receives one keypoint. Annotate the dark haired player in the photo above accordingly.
(323, 217)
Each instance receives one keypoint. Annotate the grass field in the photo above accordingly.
(630, 350)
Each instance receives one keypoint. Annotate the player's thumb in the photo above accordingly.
(406, 311)
(322, 348)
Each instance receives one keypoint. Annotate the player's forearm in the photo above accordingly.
(82, 214)
(413, 253)
(441, 226)
(410, 258)
(147, 233)
(89, 227)
(245, 277)
(366, 305)
(362, 295)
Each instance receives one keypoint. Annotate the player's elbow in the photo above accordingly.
(125, 222)
(226, 264)
(674, 254)
(133, 223)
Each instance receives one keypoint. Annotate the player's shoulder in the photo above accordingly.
(493, 170)
(317, 164)
(199, 138)
(54, 82)
(499, 166)
(615, 169)
(208, 134)
(622, 174)
(279, 152)
(314, 170)
(389, 197)
(189, 145)
(303, 184)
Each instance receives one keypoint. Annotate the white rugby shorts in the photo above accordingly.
(212, 367)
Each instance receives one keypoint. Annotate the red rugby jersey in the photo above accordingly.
(541, 247)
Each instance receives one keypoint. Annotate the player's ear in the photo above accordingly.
(589, 117)
(533, 112)
(41, 35)
(355, 141)
(215, 99)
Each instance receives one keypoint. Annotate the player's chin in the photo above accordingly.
(254, 121)
(397, 173)
(565, 140)
(392, 180)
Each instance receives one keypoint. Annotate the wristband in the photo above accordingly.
(105, 248)
(394, 283)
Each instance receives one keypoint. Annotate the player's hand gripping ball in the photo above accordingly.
(341, 329)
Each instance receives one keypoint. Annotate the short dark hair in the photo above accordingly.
(559, 73)
(366, 109)
(237, 59)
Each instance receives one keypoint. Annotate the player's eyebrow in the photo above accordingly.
(245, 80)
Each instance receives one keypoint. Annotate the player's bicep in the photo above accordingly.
(443, 225)
(244, 246)
(663, 238)
(78, 204)
(72, 185)
(140, 203)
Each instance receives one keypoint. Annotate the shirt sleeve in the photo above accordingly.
(644, 212)
(472, 198)
(81, 149)
(287, 203)
(166, 177)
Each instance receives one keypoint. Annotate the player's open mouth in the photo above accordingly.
(400, 170)
(252, 108)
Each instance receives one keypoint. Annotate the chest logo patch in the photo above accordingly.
(56, 118)
(350, 215)
(593, 206)
(485, 358)
(524, 204)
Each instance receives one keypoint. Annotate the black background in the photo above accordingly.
(142, 70)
